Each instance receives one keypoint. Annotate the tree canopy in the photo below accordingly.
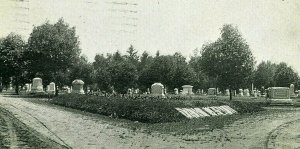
(229, 59)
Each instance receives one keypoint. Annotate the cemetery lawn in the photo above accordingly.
(157, 115)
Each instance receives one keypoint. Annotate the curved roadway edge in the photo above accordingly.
(286, 135)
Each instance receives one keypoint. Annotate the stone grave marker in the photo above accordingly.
(51, 88)
(227, 92)
(241, 93)
(77, 86)
(187, 90)
(37, 85)
(211, 91)
(176, 91)
(246, 92)
(157, 89)
(292, 90)
(279, 95)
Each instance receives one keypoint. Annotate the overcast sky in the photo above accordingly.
(271, 27)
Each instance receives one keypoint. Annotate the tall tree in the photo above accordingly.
(285, 75)
(12, 62)
(52, 49)
(102, 76)
(123, 73)
(264, 74)
(229, 59)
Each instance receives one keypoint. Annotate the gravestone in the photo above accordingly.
(292, 90)
(157, 89)
(176, 91)
(227, 92)
(37, 85)
(187, 90)
(246, 92)
(279, 95)
(241, 93)
(211, 91)
(51, 88)
(77, 86)
(27, 88)
(129, 91)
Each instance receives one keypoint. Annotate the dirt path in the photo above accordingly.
(14, 134)
(77, 130)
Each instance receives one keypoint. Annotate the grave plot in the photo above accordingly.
(206, 111)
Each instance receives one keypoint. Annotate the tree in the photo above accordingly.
(102, 75)
(83, 70)
(264, 74)
(132, 55)
(285, 75)
(182, 73)
(229, 59)
(201, 80)
(123, 73)
(52, 49)
(12, 62)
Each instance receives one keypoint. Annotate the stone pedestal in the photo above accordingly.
(77, 86)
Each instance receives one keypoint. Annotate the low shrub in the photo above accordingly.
(152, 110)
(248, 107)
(144, 108)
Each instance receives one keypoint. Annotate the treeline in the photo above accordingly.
(52, 52)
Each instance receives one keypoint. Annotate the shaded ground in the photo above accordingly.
(275, 128)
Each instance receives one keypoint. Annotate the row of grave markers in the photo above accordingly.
(206, 111)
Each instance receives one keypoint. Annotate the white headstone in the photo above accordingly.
(51, 88)
(246, 92)
(292, 90)
(227, 92)
(176, 91)
(77, 86)
(157, 89)
(187, 89)
(241, 92)
(37, 85)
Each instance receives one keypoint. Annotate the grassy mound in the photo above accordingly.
(145, 109)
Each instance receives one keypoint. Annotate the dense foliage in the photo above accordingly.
(52, 52)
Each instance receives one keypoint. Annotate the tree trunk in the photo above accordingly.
(56, 90)
(17, 86)
(230, 94)
(17, 89)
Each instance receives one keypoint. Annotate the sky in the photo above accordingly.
(270, 27)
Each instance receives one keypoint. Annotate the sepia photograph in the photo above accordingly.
(149, 74)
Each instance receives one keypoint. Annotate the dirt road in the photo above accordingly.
(77, 130)
(15, 134)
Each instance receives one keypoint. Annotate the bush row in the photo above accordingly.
(144, 109)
